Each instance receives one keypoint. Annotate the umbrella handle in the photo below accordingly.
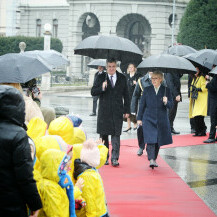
(165, 91)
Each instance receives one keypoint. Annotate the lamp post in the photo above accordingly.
(173, 21)
(46, 78)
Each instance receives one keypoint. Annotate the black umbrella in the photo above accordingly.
(106, 47)
(167, 63)
(18, 68)
(201, 60)
(98, 62)
(180, 50)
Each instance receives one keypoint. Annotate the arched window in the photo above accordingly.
(55, 28)
(38, 28)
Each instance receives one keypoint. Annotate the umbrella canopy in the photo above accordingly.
(52, 57)
(167, 63)
(203, 59)
(98, 62)
(214, 71)
(18, 68)
(180, 50)
(106, 47)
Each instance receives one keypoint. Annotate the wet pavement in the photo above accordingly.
(196, 165)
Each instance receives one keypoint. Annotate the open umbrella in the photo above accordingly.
(52, 57)
(18, 68)
(106, 47)
(208, 56)
(167, 63)
(98, 62)
(202, 59)
(214, 71)
(180, 50)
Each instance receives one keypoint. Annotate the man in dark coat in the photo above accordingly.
(17, 186)
(95, 98)
(112, 91)
(212, 92)
(153, 117)
(174, 84)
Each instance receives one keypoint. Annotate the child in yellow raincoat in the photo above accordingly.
(93, 190)
(51, 187)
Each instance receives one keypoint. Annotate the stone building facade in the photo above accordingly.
(145, 22)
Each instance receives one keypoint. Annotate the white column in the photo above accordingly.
(46, 78)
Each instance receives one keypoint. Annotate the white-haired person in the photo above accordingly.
(153, 116)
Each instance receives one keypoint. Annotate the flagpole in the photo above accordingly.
(173, 21)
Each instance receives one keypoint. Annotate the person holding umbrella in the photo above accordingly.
(113, 104)
(95, 98)
(198, 102)
(153, 116)
(212, 108)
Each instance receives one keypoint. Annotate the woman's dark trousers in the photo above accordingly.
(200, 126)
(152, 150)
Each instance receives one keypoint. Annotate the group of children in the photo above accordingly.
(66, 168)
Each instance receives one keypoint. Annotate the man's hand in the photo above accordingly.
(134, 82)
(126, 115)
(104, 85)
(178, 98)
(165, 100)
(139, 123)
(35, 213)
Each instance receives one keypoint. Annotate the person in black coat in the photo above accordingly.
(17, 186)
(174, 84)
(132, 77)
(153, 116)
(113, 104)
(212, 93)
(95, 98)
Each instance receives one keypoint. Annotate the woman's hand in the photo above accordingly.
(139, 123)
(35, 213)
(165, 100)
(80, 183)
(134, 82)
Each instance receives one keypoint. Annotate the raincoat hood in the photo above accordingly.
(50, 162)
(79, 136)
(12, 105)
(36, 128)
(62, 127)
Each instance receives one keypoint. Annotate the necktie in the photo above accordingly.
(112, 83)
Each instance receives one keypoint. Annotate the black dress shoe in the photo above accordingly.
(115, 163)
(174, 132)
(140, 152)
(209, 141)
(127, 130)
(107, 162)
(92, 114)
(201, 134)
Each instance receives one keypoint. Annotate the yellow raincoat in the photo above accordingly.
(93, 193)
(79, 136)
(199, 106)
(62, 127)
(53, 196)
(36, 128)
(51, 142)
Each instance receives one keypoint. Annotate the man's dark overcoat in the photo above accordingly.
(153, 113)
(113, 103)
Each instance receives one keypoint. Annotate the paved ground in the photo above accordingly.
(196, 165)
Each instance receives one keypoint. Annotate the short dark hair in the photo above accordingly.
(111, 60)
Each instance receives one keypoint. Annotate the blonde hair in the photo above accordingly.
(159, 74)
(129, 66)
(15, 85)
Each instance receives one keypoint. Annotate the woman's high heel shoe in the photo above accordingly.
(127, 130)
(152, 164)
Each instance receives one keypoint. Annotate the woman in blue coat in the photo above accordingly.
(153, 117)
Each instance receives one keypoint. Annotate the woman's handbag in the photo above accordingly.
(194, 91)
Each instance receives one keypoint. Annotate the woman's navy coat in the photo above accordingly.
(153, 113)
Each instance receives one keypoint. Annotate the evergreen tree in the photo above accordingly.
(198, 27)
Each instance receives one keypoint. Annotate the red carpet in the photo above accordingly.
(178, 141)
(134, 190)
